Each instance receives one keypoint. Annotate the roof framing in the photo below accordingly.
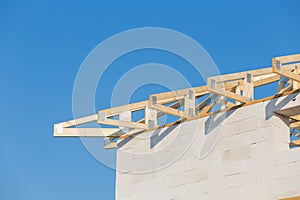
(229, 91)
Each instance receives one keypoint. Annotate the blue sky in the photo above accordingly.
(43, 43)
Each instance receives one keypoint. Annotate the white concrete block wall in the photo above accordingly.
(245, 155)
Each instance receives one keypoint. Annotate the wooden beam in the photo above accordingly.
(189, 103)
(295, 143)
(207, 109)
(206, 105)
(288, 58)
(240, 75)
(111, 145)
(230, 95)
(261, 76)
(175, 105)
(125, 116)
(295, 117)
(151, 117)
(288, 74)
(129, 107)
(212, 86)
(292, 198)
(266, 79)
(169, 110)
(277, 66)
(121, 123)
(205, 102)
(295, 124)
(167, 97)
(156, 100)
(237, 90)
(286, 89)
(229, 104)
(79, 121)
(248, 89)
(85, 132)
(257, 81)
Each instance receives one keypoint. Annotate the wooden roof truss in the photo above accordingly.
(228, 91)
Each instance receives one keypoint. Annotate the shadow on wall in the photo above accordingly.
(156, 137)
(213, 121)
(274, 105)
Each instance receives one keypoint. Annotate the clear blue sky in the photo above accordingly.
(42, 44)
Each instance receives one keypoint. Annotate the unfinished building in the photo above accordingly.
(224, 143)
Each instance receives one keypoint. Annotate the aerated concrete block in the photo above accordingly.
(288, 156)
(244, 155)
(239, 127)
